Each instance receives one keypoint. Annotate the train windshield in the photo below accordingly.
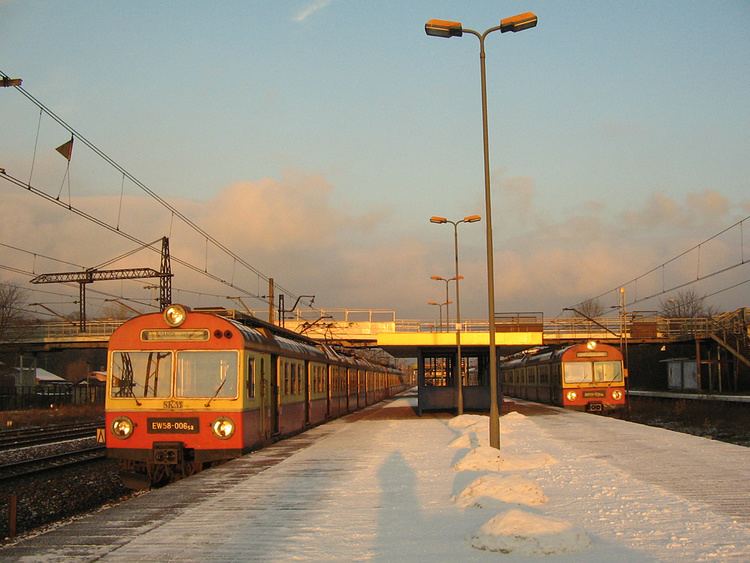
(206, 374)
(578, 372)
(141, 374)
(607, 371)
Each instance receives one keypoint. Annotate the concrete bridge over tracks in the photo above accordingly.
(404, 338)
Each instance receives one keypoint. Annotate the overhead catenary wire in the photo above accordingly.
(664, 290)
(148, 191)
(130, 237)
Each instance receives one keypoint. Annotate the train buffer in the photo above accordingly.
(384, 484)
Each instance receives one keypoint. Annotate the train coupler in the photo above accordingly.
(168, 453)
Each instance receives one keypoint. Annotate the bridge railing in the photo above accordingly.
(59, 330)
(344, 315)
(372, 321)
(504, 322)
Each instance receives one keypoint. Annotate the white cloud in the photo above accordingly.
(298, 231)
(312, 8)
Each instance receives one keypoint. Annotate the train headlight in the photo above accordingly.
(572, 395)
(122, 428)
(617, 394)
(175, 315)
(223, 428)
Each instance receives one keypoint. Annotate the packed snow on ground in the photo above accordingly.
(524, 533)
(493, 490)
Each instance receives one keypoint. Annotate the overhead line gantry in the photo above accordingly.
(91, 275)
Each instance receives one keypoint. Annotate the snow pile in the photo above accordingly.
(523, 533)
(475, 431)
(475, 439)
(468, 440)
(490, 489)
(486, 458)
(465, 421)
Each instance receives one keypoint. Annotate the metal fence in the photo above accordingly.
(46, 396)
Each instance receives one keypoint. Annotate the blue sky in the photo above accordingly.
(329, 132)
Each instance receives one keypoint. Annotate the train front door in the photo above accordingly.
(274, 402)
(266, 424)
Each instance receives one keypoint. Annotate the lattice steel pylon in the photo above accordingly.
(92, 274)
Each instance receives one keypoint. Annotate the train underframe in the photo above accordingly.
(165, 462)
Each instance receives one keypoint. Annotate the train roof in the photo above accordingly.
(544, 353)
(269, 339)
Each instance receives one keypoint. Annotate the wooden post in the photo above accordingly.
(12, 505)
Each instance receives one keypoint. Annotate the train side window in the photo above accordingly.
(544, 375)
(251, 378)
(286, 378)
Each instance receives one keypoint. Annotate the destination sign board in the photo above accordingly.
(174, 335)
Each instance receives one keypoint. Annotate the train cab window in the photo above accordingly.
(578, 372)
(607, 371)
(207, 374)
(251, 378)
(141, 374)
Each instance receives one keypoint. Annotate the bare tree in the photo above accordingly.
(687, 304)
(116, 311)
(11, 298)
(591, 308)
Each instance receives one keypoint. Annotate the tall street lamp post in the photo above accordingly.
(459, 379)
(442, 28)
(440, 311)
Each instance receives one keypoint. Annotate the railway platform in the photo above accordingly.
(383, 484)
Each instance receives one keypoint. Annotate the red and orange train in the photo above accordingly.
(190, 388)
(586, 376)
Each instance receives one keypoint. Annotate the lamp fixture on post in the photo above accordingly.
(444, 28)
(447, 309)
(440, 311)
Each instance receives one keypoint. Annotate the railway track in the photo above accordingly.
(45, 435)
(24, 468)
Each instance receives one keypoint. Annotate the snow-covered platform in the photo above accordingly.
(386, 485)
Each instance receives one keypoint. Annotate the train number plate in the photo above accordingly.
(597, 394)
(173, 425)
